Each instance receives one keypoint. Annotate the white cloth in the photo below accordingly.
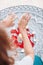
(25, 61)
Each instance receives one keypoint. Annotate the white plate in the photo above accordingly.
(35, 24)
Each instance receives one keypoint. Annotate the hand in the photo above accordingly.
(8, 21)
(24, 21)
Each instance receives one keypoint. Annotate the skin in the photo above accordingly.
(22, 27)
(8, 21)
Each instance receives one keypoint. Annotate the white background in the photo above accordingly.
(8, 3)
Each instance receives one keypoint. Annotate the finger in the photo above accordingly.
(26, 16)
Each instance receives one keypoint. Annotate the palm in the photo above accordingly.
(24, 21)
(8, 21)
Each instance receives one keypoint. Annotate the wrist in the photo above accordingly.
(22, 30)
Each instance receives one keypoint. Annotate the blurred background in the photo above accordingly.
(8, 3)
(37, 19)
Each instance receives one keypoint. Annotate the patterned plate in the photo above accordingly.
(35, 25)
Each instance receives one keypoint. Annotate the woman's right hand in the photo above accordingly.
(22, 27)
(24, 21)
